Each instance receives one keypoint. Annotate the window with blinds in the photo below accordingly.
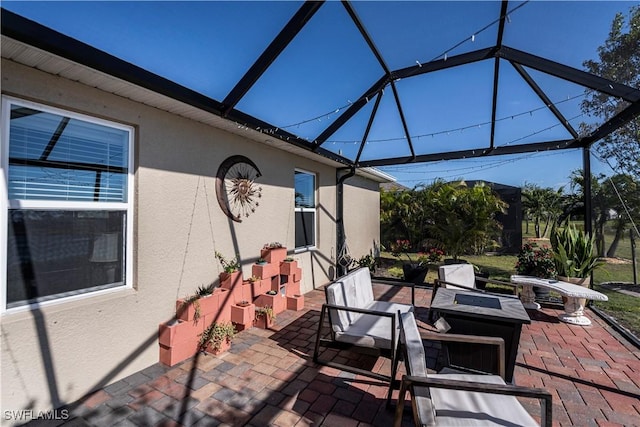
(67, 203)
(305, 209)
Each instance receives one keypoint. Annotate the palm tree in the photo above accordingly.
(543, 205)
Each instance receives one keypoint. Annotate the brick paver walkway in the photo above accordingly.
(268, 378)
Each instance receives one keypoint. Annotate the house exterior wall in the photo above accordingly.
(361, 215)
(62, 351)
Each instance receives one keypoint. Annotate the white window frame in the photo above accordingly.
(314, 210)
(6, 204)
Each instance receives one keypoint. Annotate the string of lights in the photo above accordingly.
(453, 173)
(463, 128)
(328, 115)
(443, 55)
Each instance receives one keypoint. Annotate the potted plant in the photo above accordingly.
(367, 261)
(265, 317)
(574, 254)
(261, 261)
(229, 266)
(538, 262)
(414, 271)
(273, 252)
(230, 277)
(217, 337)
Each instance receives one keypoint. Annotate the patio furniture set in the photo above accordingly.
(473, 390)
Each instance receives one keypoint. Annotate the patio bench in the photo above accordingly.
(574, 308)
(451, 397)
(357, 320)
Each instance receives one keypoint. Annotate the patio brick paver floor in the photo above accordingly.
(268, 378)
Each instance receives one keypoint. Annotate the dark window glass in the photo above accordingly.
(305, 230)
(305, 209)
(54, 253)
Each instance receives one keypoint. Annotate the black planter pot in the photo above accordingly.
(414, 274)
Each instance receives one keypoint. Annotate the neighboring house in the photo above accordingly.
(109, 214)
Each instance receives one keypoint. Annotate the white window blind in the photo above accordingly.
(53, 157)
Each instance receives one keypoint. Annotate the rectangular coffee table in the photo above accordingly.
(472, 313)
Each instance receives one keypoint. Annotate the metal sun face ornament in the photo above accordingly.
(236, 189)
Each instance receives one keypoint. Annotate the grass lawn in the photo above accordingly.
(624, 308)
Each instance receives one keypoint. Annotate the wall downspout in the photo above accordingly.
(342, 261)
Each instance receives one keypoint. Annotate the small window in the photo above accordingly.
(305, 209)
(67, 199)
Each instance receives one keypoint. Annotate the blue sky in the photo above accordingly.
(207, 46)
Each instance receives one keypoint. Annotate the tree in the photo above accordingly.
(619, 60)
(618, 194)
(463, 217)
(543, 205)
(403, 215)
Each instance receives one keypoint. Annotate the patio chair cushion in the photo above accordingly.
(461, 274)
(480, 409)
(352, 290)
(415, 362)
(355, 290)
(373, 331)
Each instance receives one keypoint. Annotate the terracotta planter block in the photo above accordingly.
(297, 275)
(186, 310)
(180, 332)
(209, 304)
(224, 297)
(288, 268)
(295, 302)
(230, 280)
(262, 286)
(243, 315)
(293, 289)
(173, 355)
(275, 255)
(274, 284)
(223, 314)
(278, 302)
(263, 322)
(265, 271)
(224, 346)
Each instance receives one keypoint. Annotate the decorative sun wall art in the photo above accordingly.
(236, 189)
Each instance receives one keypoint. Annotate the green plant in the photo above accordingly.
(272, 245)
(535, 261)
(272, 292)
(367, 261)
(265, 311)
(216, 333)
(261, 261)
(254, 279)
(204, 290)
(229, 266)
(574, 252)
(192, 300)
(288, 259)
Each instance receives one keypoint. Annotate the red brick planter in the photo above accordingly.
(295, 302)
(243, 315)
(278, 302)
(288, 267)
(265, 270)
(225, 345)
(275, 255)
(263, 322)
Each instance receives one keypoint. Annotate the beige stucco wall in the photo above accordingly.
(361, 215)
(62, 351)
